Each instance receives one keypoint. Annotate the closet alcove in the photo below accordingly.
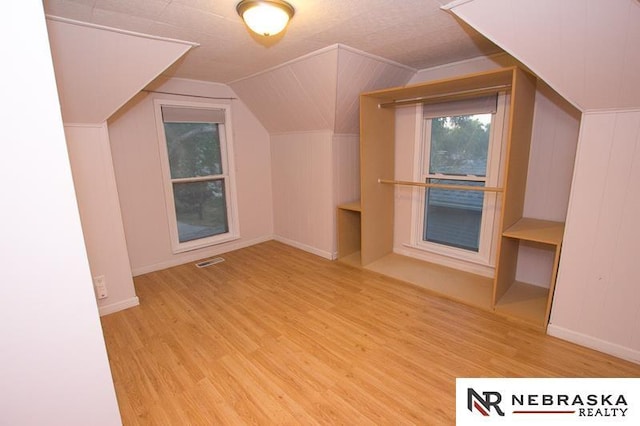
(366, 227)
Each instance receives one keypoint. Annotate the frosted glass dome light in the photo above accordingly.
(265, 17)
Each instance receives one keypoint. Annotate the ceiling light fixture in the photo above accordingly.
(265, 17)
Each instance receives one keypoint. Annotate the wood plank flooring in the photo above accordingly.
(274, 335)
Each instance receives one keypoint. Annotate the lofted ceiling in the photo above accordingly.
(415, 33)
(318, 91)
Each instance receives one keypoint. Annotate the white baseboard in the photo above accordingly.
(594, 343)
(322, 253)
(118, 306)
(200, 254)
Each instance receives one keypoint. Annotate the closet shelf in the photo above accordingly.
(526, 302)
(354, 206)
(536, 230)
(349, 235)
(353, 259)
(521, 300)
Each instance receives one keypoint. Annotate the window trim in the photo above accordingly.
(489, 231)
(228, 175)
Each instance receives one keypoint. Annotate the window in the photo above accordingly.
(196, 160)
(461, 145)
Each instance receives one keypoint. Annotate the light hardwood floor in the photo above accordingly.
(274, 335)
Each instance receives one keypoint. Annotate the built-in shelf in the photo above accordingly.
(353, 259)
(540, 231)
(349, 234)
(353, 206)
(521, 300)
(526, 302)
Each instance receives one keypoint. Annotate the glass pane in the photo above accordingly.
(453, 217)
(459, 145)
(201, 209)
(194, 149)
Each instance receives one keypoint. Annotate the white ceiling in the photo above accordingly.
(416, 33)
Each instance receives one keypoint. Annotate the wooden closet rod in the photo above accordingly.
(442, 186)
(450, 96)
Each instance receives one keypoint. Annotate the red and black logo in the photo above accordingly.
(485, 403)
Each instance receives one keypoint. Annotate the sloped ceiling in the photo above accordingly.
(416, 33)
(587, 50)
(282, 98)
(99, 69)
(357, 73)
(303, 79)
(319, 91)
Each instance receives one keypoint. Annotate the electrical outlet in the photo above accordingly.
(100, 287)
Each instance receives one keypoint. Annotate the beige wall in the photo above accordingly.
(53, 359)
(552, 156)
(134, 147)
(346, 165)
(99, 207)
(596, 300)
(302, 165)
(313, 172)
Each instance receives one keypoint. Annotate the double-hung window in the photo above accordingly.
(196, 157)
(461, 145)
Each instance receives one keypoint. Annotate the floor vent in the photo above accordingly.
(209, 262)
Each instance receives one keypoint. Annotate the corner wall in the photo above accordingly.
(97, 70)
(313, 172)
(302, 165)
(54, 367)
(596, 301)
(136, 160)
(99, 207)
(310, 106)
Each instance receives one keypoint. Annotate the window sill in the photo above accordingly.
(199, 244)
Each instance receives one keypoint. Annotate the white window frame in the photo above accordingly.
(228, 175)
(489, 228)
